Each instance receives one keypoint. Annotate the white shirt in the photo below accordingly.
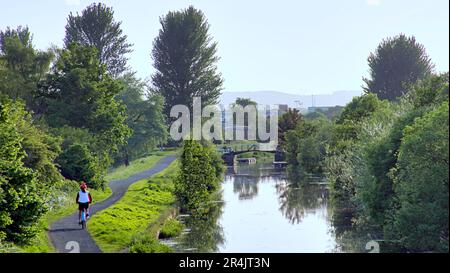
(83, 197)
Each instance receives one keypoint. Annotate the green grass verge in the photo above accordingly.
(147, 243)
(171, 228)
(144, 206)
(137, 165)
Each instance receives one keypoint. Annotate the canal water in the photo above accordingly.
(262, 209)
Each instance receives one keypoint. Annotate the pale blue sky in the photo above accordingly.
(300, 47)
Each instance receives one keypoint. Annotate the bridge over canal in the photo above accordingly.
(229, 153)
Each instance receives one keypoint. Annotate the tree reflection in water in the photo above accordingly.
(246, 177)
(300, 195)
(303, 194)
(206, 234)
(245, 186)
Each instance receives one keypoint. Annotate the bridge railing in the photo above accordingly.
(267, 147)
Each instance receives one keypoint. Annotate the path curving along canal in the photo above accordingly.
(67, 236)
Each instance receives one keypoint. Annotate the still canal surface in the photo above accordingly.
(262, 209)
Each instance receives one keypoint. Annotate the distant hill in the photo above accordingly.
(274, 97)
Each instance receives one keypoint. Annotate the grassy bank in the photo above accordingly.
(137, 165)
(62, 201)
(142, 210)
(261, 157)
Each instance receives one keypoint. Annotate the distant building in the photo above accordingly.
(228, 121)
(282, 109)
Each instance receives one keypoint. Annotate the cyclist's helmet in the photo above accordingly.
(83, 186)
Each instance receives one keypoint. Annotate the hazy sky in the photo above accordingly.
(295, 46)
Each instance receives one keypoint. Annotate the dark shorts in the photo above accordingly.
(82, 206)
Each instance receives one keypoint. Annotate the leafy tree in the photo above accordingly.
(396, 63)
(430, 91)
(401, 199)
(95, 26)
(331, 113)
(81, 94)
(144, 117)
(421, 221)
(72, 135)
(354, 113)
(244, 102)
(82, 157)
(315, 115)
(215, 157)
(185, 60)
(313, 146)
(197, 178)
(288, 121)
(379, 155)
(379, 150)
(21, 202)
(306, 145)
(41, 150)
(80, 165)
(342, 156)
(22, 67)
(359, 108)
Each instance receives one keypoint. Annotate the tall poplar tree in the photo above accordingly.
(185, 59)
(95, 26)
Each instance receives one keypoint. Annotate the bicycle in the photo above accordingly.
(83, 218)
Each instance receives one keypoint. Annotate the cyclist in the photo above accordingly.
(83, 200)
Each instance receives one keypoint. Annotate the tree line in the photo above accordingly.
(69, 113)
(385, 154)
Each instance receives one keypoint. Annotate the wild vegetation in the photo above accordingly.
(201, 170)
(67, 114)
(171, 228)
(70, 114)
(386, 161)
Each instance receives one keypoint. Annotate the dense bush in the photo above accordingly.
(420, 221)
(288, 121)
(41, 150)
(171, 228)
(342, 153)
(199, 176)
(306, 145)
(148, 244)
(393, 172)
(80, 165)
(20, 194)
(378, 153)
